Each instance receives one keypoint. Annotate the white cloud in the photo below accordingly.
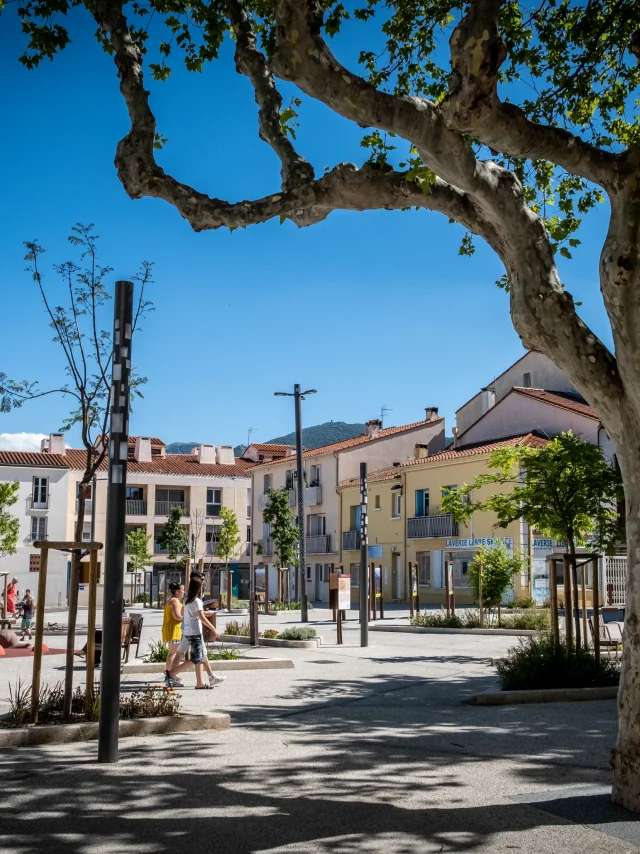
(21, 441)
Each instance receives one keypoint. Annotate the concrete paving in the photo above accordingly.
(351, 751)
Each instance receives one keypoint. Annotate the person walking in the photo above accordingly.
(27, 614)
(194, 619)
(12, 592)
(172, 630)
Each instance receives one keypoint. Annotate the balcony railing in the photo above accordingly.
(210, 548)
(136, 507)
(433, 525)
(318, 545)
(38, 502)
(158, 550)
(163, 508)
(263, 501)
(312, 496)
(350, 541)
(266, 546)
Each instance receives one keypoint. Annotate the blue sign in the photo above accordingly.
(375, 551)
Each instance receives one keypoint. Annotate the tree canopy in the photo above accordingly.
(229, 534)
(284, 531)
(9, 524)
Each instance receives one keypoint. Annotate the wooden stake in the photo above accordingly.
(553, 600)
(447, 592)
(91, 632)
(266, 588)
(37, 648)
(568, 601)
(480, 593)
(585, 624)
(229, 588)
(411, 611)
(595, 588)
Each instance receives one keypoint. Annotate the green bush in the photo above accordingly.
(288, 606)
(440, 620)
(158, 651)
(233, 627)
(538, 663)
(223, 654)
(524, 603)
(538, 620)
(297, 633)
(239, 603)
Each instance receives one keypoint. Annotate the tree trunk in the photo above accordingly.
(74, 582)
(625, 758)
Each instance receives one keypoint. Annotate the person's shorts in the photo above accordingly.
(184, 645)
(196, 648)
(27, 622)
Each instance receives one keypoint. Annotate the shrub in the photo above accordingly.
(239, 603)
(538, 663)
(158, 651)
(440, 620)
(150, 703)
(223, 655)
(525, 602)
(289, 606)
(269, 633)
(297, 633)
(538, 620)
(233, 627)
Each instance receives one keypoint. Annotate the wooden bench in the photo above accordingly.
(136, 631)
(610, 634)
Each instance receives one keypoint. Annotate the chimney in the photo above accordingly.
(44, 445)
(142, 449)
(488, 399)
(225, 456)
(454, 430)
(56, 444)
(373, 427)
(421, 451)
(291, 452)
(431, 413)
(205, 454)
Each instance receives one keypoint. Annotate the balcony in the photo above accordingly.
(158, 550)
(312, 496)
(163, 508)
(319, 545)
(263, 501)
(266, 545)
(435, 524)
(87, 506)
(137, 507)
(350, 541)
(40, 502)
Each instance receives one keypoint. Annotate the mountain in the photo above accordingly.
(312, 437)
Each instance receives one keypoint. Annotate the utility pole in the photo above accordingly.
(364, 570)
(114, 539)
(299, 396)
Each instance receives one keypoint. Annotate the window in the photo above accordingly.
(168, 498)
(308, 573)
(355, 514)
(248, 534)
(86, 532)
(289, 479)
(136, 493)
(423, 559)
(38, 528)
(214, 502)
(268, 482)
(248, 503)
(526, 380)
(88, 490)
(422, 502)
(376, 502)
(266, 531)
(314, 476)
(396, 504)
(40, 490)
(354, 569)
(316, 526)
(212, 535)
(327, 572)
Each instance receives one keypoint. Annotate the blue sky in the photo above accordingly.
(370, 309)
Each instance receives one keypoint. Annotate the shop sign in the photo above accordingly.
(475, 542)
(375, 551)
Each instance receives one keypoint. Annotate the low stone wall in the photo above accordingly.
(235, 664)
(312, 643)
(548, 695)
(444, 631)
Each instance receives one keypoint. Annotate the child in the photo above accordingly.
(27, 614)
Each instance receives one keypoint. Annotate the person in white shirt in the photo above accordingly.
(194, 618)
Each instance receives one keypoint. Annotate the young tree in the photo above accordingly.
(284, 531)
(9, 524)
(139, 557)
(197, 523)
(228, 539)
(495, 567)
(173, 538)
(530, 123)
(566, 489)
(79, 318)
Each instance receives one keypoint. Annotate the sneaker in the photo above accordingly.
(216, 680)
(168, 681)
(176, 682)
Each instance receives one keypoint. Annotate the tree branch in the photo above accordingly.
(473, 106)
(252, 63)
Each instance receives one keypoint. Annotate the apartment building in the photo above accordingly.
(324, 469)
(201, 483)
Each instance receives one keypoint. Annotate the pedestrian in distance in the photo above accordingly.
(172, 631)
(27, 614)
(12, 592)
(194, 619)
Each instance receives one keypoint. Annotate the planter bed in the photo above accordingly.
(88, 731)
(548, 695)
(312, 643)
(222, 664)
(444, 631)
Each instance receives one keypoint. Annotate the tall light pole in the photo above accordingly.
(298, 396)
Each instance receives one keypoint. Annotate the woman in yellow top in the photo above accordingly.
(172, 627)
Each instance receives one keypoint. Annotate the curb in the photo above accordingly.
(313, 643)
(88, 731)
(418, 630)
(237, 664)
(548, 695)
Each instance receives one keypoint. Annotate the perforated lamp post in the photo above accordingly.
(302, 560)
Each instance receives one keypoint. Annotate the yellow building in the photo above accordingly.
(406, 524)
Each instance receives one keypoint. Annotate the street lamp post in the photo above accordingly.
(302, 586)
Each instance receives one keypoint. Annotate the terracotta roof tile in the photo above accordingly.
(33, 459)
(271, 449)
(530, 439)
(557, 398)
(357, 440)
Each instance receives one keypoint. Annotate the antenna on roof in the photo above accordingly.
(249, 432)
(383, 411)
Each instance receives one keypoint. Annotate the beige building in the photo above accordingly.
(324, 469)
